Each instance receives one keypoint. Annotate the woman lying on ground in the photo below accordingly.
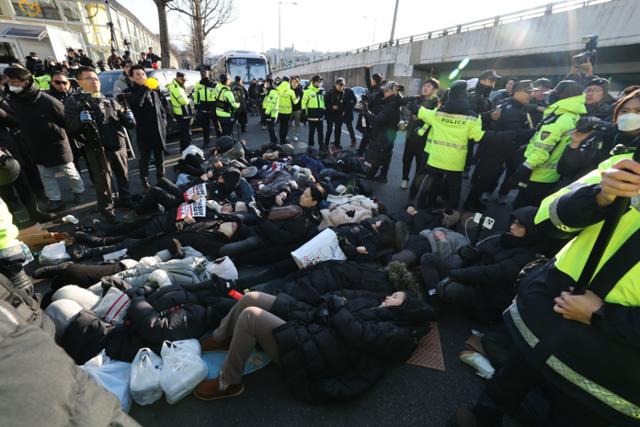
(332, 333)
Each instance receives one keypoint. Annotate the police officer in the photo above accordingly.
(335, 104)
(498, 157)
(270, 107)
(226, 104)
(582, 345)
(313, 107)
(99, 124)
(538, 175)
(204, 102)
(181, 108)
(284, 108)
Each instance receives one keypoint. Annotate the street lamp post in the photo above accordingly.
(375, 25)
(393, 26)
(280, 3)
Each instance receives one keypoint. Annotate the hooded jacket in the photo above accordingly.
(286, 98)
(552, 137)
(41, 120)
(501, 258)
(337, 352)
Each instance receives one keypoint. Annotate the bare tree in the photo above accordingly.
(203, 17)
(165, 48)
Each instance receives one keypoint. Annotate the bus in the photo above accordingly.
(246, 64)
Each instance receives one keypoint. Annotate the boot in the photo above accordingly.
(51, 270)
(55, 205)
(92, 241)
(146, 186)
(39, 216)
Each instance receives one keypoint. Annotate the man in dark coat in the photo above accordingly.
(350, 102)
(384, 128)
(41, 120)
(99, 124)
(375, 95)
(506, 156)
(149, 108)
(335, 107)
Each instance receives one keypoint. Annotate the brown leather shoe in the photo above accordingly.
(210, 344)
(210, 390)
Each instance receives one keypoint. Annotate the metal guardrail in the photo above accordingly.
(523, 15)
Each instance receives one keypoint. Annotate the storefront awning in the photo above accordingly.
(23, 32)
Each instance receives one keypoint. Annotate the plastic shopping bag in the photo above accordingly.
(54, 253)
(323, 247)
(182, 369)
(145, 377)
(112, 375)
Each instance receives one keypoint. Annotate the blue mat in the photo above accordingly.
(215, 359)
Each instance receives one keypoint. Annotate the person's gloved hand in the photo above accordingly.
(469, 253)
(85, 116)
(442, 285)
(414, 107)
(128, 115)
(335, 302)
(521, 177)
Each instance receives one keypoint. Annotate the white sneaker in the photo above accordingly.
(478, 362)
(405, 184)
(295, 139)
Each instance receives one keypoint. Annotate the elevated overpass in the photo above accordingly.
(530, 43)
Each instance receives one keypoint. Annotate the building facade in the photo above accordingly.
(49, 27)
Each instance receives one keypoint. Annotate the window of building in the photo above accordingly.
(6, 53)
(71, 12)
(40, 9)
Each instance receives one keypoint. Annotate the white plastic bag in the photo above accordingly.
(182, 369)
(323, 247)
(113, 375)
(113, 307)
(54, 253)
(145, 377)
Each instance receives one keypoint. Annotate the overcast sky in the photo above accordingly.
(336, 25)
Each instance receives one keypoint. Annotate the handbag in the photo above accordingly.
(280, 213)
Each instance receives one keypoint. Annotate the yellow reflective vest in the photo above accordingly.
(448, 139)
(573, 256)
(8, 231)
(180, 104)
(313, 103)
(225, 101)
(270, 104)
(204, 95)
(552, 137)
(286, 98)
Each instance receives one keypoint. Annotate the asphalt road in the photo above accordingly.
(406, 396)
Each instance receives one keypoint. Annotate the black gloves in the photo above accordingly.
(469, 253)
(521, 177)
(414, 107)
(336, 302)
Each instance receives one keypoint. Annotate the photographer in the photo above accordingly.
(416, 134)
(596, 95)
(383, 131)
(99, 124)
(374, 98)
(593, 140)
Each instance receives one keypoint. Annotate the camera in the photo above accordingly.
(590, 48)
(586, 124)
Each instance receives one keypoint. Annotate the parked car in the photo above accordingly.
(164, 77)
(359, 91)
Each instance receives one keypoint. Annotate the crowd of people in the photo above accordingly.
(207, 254)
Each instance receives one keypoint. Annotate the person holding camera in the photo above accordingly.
(99, 124)
(384, 128)
(538, 175)
(373, 98)
(596, 95)
(416, 132)
(593, 140)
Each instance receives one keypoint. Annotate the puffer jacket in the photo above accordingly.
(329, 352)
(64, 395)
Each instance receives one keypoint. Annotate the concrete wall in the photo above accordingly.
(615, 23)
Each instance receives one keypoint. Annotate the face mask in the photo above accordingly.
(16, 89)
(629, 122)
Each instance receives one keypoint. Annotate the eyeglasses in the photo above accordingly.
(593, 90)
(61, 82)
